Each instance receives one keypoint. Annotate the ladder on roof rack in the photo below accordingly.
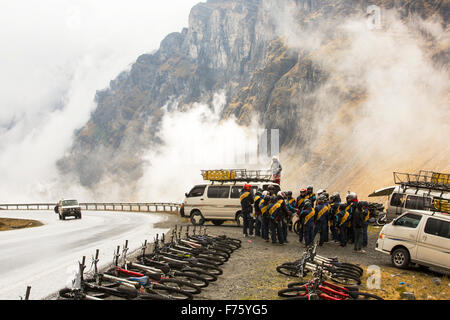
(424, 179)
(232, 175)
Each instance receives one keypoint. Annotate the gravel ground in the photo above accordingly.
(250, 273)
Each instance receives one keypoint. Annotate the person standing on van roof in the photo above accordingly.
(366, 215)
(275, 215)
(358, 223)
(258, 217)
(300, 204)
(247, 200)
(334, 210)
(264, 206)
(275, 167)
(320, 219)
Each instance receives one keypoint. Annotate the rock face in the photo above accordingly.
(234, 46)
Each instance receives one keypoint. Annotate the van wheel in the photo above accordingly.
(218, 222)
(400, 258)
(197, 218)
(239, 219)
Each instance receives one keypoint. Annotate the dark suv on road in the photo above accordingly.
(67, 208)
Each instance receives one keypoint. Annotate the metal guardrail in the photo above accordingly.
(101, 206)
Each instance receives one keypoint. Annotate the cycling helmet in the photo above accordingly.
(307, 204)
(320, 191)
(265, 193)
(310, 189)
(281, 194)
(289, 193)
(247, 186)
(302, 190)
(351, 196)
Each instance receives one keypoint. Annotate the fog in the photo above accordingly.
(55, 55)
(384, 106)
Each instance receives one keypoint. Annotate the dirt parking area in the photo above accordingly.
(250, 273)
(14, 224)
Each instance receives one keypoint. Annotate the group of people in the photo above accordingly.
(310, 214)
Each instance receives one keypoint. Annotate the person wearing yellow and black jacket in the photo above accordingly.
(366, 215)
(320, 219)
(343, 219)
(276, 214)
(300, 204)
(246, 198)
(311, 195)
(291, 206)
(284, 216)
(352, 201)
(334, 211)
(258, 217)
(264, 208)
(308, 214)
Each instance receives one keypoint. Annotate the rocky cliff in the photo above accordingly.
(288, 65)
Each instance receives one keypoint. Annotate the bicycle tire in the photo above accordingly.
(293, 292)
(345, 278)
(364, 296)
(170, 292)
(352, 272)
(197, 280)
(288, 270)
(201, 273)
(350, 266)
(181, 285)
(208, 268)
(296, 284)
(151, 296)
(121, 292)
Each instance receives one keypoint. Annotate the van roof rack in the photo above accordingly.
(424, 179)
(235, 175)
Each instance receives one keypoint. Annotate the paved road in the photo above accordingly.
(46, 257)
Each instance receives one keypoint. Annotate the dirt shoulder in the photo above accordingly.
(250, 273)
(14, 224)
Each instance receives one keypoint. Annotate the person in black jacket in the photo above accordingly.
(246, 198)
(358, 224)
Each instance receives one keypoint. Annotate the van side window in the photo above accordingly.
(409, 220)
(235, 192)
(397, 199)
(438, 228)
(218, 191)
(197, 191)
(418, 203)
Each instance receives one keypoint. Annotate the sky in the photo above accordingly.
(55, 55)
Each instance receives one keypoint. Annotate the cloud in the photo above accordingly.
(55, 55)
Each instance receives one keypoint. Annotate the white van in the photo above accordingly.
(417, 237)
(217, 202)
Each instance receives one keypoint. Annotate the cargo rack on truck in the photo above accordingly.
(237, 175)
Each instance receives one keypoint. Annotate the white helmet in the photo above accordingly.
(281, 194)
(265, 193)
(321, 191)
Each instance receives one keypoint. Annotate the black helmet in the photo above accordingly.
(309, 188)
(289, 193)
(307, 204)
(363, 204)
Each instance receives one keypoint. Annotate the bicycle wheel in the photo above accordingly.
(296, 284)
(345, 278)
(364, 296)
(293, 292)
(208, 268)
(200, 273)
(152, 296)
(289, 270)
(196, 280)
(169, 292)
(181, 285)
(350, 266)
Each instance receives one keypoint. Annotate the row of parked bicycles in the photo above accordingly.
(173, 270)
(346, 278)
